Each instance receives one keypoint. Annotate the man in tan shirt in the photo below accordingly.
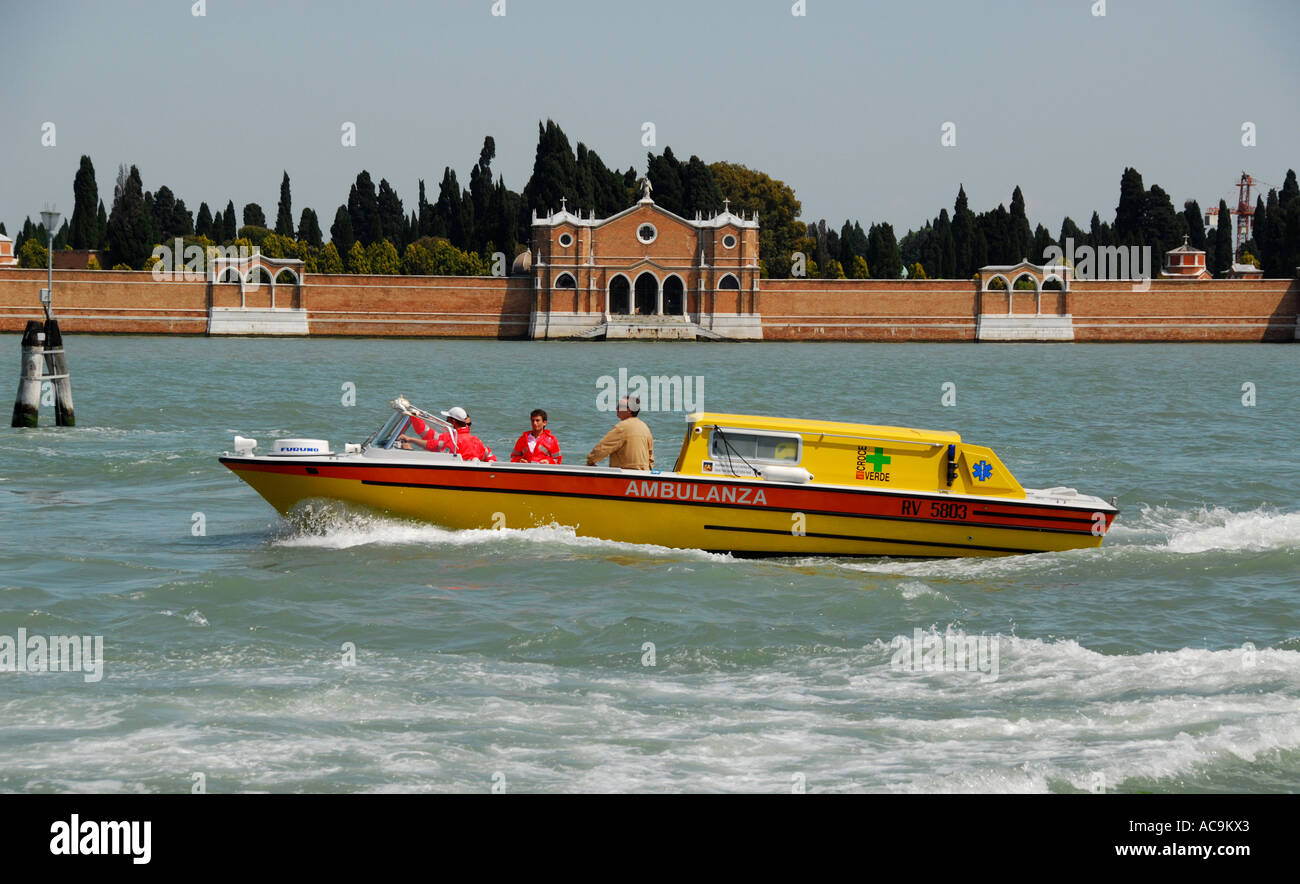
(629, 445)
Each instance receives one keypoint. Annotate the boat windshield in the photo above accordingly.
(390, 433)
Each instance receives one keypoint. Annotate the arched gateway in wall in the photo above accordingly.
(644, 273)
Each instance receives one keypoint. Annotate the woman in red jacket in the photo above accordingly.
(538, 445)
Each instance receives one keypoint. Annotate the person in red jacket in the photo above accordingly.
(538, 445)
(465, 443)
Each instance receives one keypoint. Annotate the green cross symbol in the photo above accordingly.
(878, 460)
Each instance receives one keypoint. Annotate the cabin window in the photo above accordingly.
(755, 446)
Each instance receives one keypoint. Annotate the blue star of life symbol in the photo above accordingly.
(982, 470)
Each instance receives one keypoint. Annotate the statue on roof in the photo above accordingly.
(644, 184)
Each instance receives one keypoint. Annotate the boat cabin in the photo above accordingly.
(844, 454)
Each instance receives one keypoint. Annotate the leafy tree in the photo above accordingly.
(33, 254)
(85, 221)
(284, 212)
(92, 263)
(382, 258)
(309, 229)
(751, 191)
(860, 270)
(129, 227)
(357, 261)
(341, 231)
(329, 260)
(164, 207)
(254, 216)
(203, 223)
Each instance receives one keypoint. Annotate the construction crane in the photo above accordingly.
(1245, 211)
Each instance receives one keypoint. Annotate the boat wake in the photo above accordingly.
(334, 527)
(1152, 531)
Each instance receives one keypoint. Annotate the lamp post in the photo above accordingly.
(50, 218)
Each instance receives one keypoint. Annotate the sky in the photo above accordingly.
(846, 103)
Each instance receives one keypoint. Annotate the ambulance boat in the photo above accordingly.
(741, 484)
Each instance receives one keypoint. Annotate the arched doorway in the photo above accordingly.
(647, 294)
(674, 296)
(620, 291)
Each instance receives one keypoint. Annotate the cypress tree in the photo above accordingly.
(554, 174)
(85, 220)
(1290, 190)
(341, 233)
(101, 222)
(701, 193)
(128, 225)
(1195, 222)
(425, 212)
(309, 229)
(229, 223)
(947, 268)
(883, 256)
(449, 210)
(203, 223)
(1131, 211)
(218, 228)
(284, 212)
(164, 207)
(392, 217)
(1042, 240)
(1070, 230)
(1223, 251)
(963, 236)
(1020, 239)
(665, 174)
(1163, 226)
(363, 207)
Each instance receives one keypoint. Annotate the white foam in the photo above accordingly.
(345, 531)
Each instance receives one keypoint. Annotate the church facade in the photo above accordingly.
(643, 273)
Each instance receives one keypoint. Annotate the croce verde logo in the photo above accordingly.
(877, 459)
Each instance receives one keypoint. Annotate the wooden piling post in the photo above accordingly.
(27, 404)
(56, 372)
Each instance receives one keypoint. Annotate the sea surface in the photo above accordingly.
(537, 661)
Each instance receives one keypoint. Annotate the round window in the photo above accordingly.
(729, 241)
(566, 239)
(646, 233)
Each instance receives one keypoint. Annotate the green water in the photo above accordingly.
(1169, 660)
